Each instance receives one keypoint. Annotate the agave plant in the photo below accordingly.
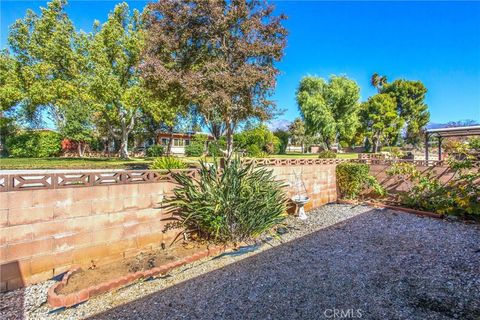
(233, 204)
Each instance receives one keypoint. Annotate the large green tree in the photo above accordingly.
(411, 107)
(329, 108)
(298, 135)
(381, 123)
(10, 92)
(219, 54)
(51, 58)
(115, 83)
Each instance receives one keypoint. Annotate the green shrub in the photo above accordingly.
(168, 163)
(195, 149)
(327, 154)
(254, 151)
(257, 140)
(459, 195)
(155, 150)
(34, 144)
(353, 178)
(216, 148)
(474, 143)
(235, 204)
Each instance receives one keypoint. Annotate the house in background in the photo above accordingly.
(180, 140)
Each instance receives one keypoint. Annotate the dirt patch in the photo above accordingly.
(143, 261)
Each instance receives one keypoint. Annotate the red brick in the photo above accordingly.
(27, 249)
(16, 234)
(20, 199)
(29, 215)
(71, 300)
(77, 209)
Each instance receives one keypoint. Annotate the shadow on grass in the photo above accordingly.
(373, 265)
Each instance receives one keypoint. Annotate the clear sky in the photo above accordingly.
(435, 42)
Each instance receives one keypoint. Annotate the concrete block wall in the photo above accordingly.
(320, 182)
(44, 233)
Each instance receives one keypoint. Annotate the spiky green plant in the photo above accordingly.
(168, 163)
(233, 204)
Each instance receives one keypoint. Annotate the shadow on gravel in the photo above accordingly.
(379, 265)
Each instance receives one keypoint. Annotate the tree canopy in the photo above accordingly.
(411, 107)
(218, 55)
(329, 108)
(380, 120)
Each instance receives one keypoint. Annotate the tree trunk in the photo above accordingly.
(80, 149)
(170, 142)
(124, 146)
(229, 134)
(376, 140)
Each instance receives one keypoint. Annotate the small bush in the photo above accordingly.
(353, 178)
(235, 204)
(254, 151)
(459, 195)
(34, 144)
(327, 154)
(155, 150)
(195, 149)
(216, 148)
(168, 163)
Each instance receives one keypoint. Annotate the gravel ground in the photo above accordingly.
(376, 264)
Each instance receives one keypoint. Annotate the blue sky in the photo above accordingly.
(435, 42)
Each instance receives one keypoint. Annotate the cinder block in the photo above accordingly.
(77, 209)
(16, 234)
(47, 229)
(18, 216)
(19, 251)
(107, 206)
(70, 241)
(20, 199)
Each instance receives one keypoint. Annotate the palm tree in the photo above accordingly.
(377, 81)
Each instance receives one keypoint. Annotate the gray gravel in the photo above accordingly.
(376, 264)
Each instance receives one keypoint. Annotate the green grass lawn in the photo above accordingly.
(115, 163)
(74, 163)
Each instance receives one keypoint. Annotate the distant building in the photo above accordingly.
(180, 140)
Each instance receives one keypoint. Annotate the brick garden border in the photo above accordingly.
(69, 300)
